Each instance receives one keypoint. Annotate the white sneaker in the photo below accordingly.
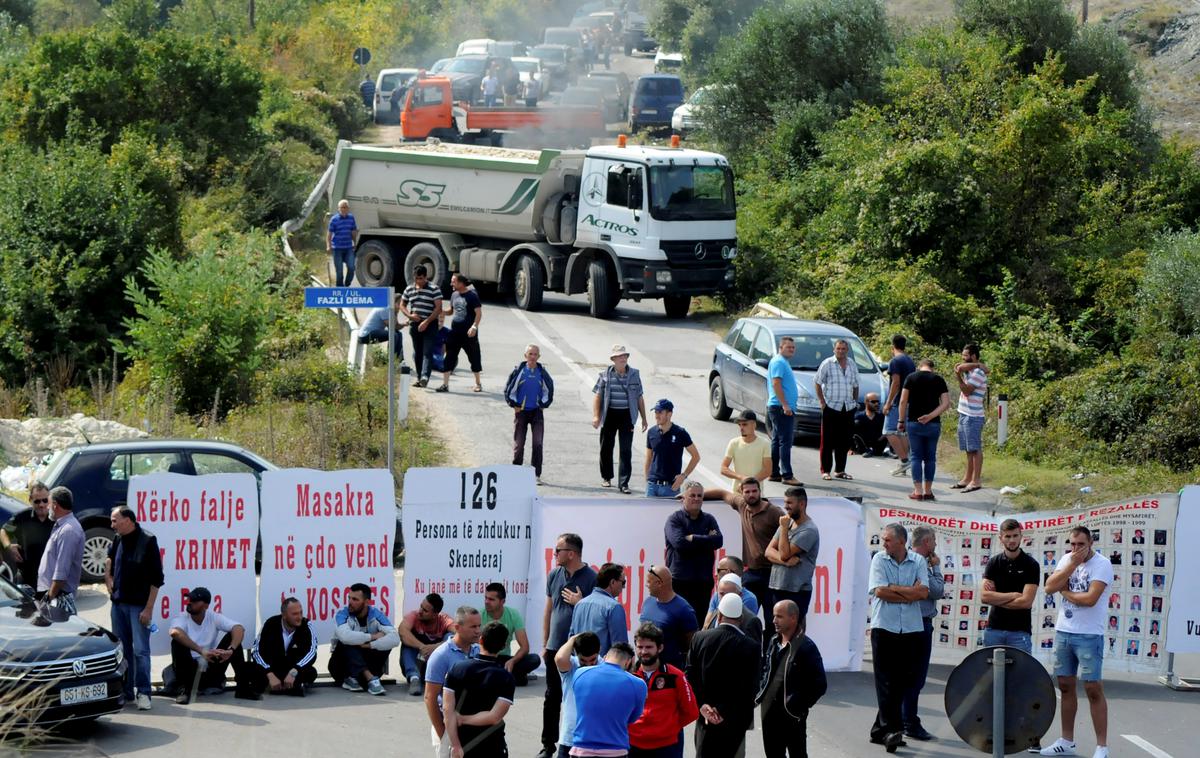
(1060, 747)
(1101, 751)
(143, 701)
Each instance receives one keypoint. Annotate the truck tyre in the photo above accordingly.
(529, 283)
(429, 255)
(374, 265)
(677, 306)
(599, 288)
(717, 407)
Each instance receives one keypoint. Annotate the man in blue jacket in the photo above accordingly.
(528, 391)
(693, 538)
(607, 700)
(601, 612)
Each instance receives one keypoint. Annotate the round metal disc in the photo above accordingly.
(1029, 704)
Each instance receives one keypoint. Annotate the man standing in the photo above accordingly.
(868, 438)
(782, 395)
(899, 367)
(528, 391)
(340, 241)
(25, 535)
(749, 622)
(924, 544)
(462, 646)
(421, 631)
(521, 663)
(793, 552)
(671, 615)
(923, 400)
(746, 455)
(665, 444)
(569, 581)
(793, 680)
(362, 641)
(476, 697)
(464, 331)
(837, 392)
(62, 562)
(133, 574)
(421, 304)
(577, 652)
(203, 644)
(1010, 584)
(283, 660)
(730, 569)
(490, 86)
(760, 522)
(617, 404)
(607, 700)
(723, 669)
(899, 582)
(375, 329)
(1081, 577)
(693, 538)
(972, 384)
(670, 704)
(601, 612)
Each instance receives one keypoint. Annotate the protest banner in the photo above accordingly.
(207, 531)
(323, 531)
(630, 532)
(1137, 535)
(466, 528)
(1183, 619)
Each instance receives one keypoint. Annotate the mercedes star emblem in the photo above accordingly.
(700, 251)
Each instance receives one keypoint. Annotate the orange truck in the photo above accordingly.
(430, 111)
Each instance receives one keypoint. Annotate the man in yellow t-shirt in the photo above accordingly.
(747, 454)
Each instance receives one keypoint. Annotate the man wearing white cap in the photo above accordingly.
(723, 670)
(617, 404)
(749, 622)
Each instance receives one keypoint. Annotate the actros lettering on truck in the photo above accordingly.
(420, 194)
(610, 226)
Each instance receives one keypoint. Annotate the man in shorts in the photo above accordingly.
(972, 379)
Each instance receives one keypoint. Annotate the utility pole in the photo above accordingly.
(1085, 10)
(252, 13)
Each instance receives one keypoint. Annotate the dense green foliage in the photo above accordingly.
(697, 27)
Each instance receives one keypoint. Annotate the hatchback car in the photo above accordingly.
(655, 98)
(738, 378)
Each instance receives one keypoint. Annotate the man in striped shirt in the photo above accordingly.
(836, 383)
(972, 379)
(421, 304)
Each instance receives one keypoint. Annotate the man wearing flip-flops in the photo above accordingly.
(837, 392)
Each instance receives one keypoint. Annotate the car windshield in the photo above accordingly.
(699, 96)
(526, 67)
(466, 66)
(440, 65)
(811, 349)
(554, 55)
(692, 193)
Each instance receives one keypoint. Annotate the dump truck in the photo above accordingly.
(615, 222)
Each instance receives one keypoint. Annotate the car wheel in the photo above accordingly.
(717, 406)
(96, 542)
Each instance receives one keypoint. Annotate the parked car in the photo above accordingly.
(475, 47)
(438, 65)
(466, 73)
(560, 62)
(388, 80)
(9, 507)
(592, 97)
(653, 101)
(614, 85)
(738, 378)
(528, 66)
(508, 48)
(668, 63)
(55, 667)
(564, 35)
(685, 118)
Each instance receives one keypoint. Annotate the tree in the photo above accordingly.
(19, 11)
(1032, 27)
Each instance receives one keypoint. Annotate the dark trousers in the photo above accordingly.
(305, 676)
(697, 592)
(618, 427)
(802, 599)
(186, 667)
(523, 667)
(718, 740)
(423, 343)
(755, 580)
(552, 707)
(908, 708)
(837, 429)
(380, 335)
(522, 421)
(784, 736)
(783, 436)
(353, 661)
(459, 340)
(895, 661)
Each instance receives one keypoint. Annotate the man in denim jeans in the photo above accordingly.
(1010, 584)
(340, 240)
(133, 574)
(1081, 578)
(782, 395)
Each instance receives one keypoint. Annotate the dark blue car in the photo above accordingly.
(653, 101)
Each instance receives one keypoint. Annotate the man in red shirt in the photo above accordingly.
(421, 631)
(670, 703)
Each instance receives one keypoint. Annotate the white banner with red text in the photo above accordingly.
(1183, 619)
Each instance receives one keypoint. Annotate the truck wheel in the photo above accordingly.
(717, 407)
(529, 284)
(429, 255)
(374, 264)
(599, 288)
(677, 306)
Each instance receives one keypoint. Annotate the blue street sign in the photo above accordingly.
(345, 297)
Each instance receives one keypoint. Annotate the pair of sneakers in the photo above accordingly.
(1062, 747)
(374, 686)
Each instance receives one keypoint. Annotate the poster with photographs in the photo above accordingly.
(1138, 536)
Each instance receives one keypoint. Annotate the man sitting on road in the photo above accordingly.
(868, 440)
(284, 657)
(521, 663)
(203, 644)
(362, 640)
(421, 631)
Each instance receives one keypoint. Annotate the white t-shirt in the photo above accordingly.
(1077, 619)
(214, 626)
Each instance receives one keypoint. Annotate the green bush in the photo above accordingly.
(309, 378)
(1169, 296)
(1032, 27)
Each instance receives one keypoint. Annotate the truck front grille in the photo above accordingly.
(696, 253)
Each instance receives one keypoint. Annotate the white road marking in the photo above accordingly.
(1144, 745)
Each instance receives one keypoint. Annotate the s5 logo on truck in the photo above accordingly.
(418, 193)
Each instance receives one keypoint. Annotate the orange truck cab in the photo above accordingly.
(430, 111)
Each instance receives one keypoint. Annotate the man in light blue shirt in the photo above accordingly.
(899, 582)
(462, 646)
(782, 395)
(924, 544)
(601, 612)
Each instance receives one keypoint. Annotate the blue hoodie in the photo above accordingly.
(607, 700)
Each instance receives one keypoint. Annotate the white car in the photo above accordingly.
(685, 118)
(668, 63)
(528, 67)
(388, 80)
(475, 47)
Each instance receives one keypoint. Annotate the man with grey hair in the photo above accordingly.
(693, 538)
(899, 581)
(924, 543)
(340, 240)
(464, 645)
(528, 391)
(836, 383)
(62, 562)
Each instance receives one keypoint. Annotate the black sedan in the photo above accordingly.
(54, 667)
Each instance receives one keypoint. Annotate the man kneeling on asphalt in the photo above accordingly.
(362, 640)
(285, 653)
(203, 645)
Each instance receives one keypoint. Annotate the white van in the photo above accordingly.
(388, 80)
(475, 47)
(668, 63)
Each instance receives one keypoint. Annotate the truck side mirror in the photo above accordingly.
(635, 193)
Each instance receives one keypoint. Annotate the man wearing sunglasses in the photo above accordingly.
(25, 535)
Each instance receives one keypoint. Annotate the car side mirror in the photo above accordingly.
(883, 367)
(762, 362)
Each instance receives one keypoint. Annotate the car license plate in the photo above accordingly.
(649, 111)
(85, 694)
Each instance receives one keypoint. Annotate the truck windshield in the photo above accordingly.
(692, 193)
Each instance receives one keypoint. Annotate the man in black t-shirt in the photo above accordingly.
(1010, 584)
(476, 697)
(25, 535)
